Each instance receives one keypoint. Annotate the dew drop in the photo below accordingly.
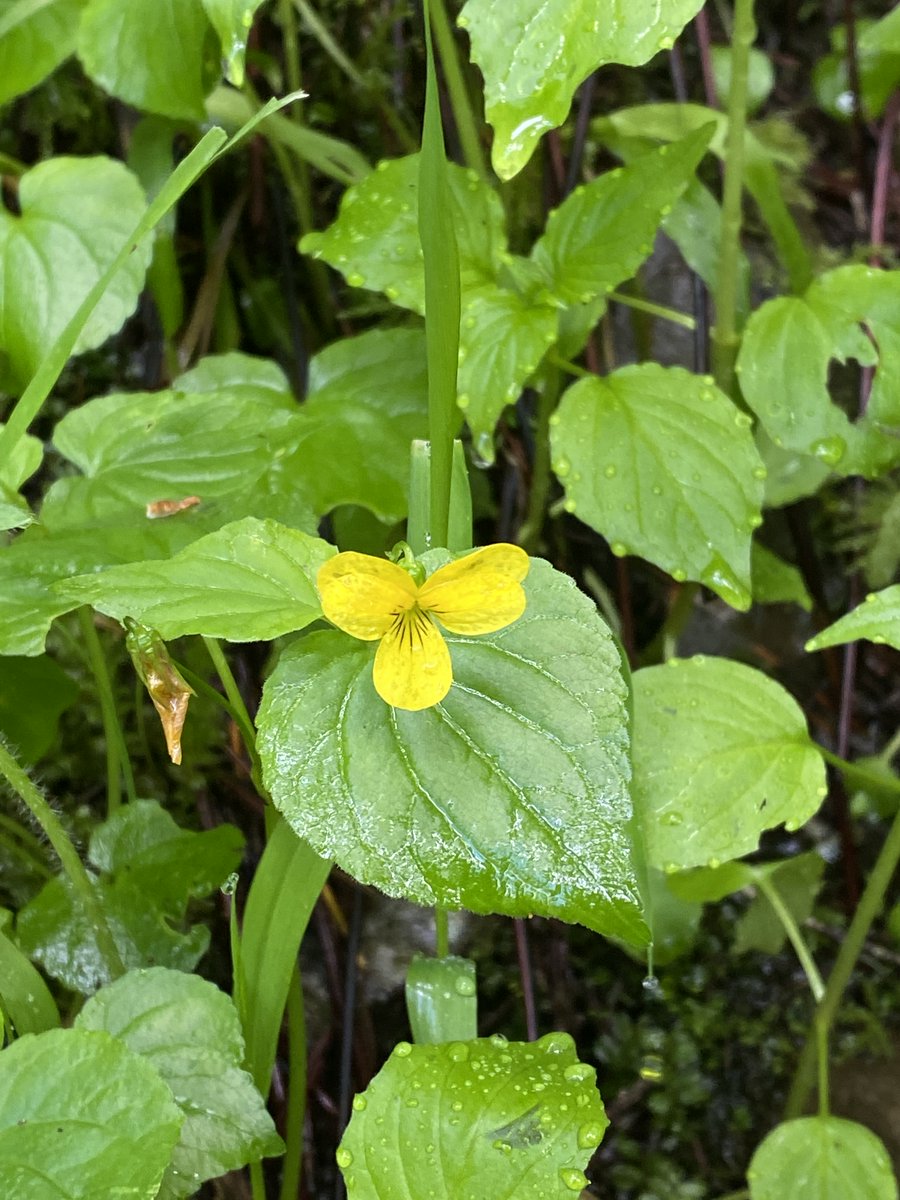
(463, 400)
(829, 450)
(760, 473)
(464, 986)
(578, 1072)
(403, 1050)
(459, 1052)
(651, 1068)
(610, 471)
(574, 1179)
(619, 549)
(344, 1157)
(562, 467)
(555, 1043)
(360, 1103)
(355, 279)
(570, 506)
(672, 818)
(590, 1135)
(678, 574)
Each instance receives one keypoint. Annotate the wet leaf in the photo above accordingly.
(784, 363)
(825, 1158)
(534, 54)
(149, 869)
(877, 620)
(466, 1120)
(374, 242)
(77, 1111)
(664, 466)
(161, 58)
(510, 796)
(776, 581)
(34, 40)
(232, 21)
(720, 753)
(603, 231)
(249, 581)
(53, 253)
(189, 1032)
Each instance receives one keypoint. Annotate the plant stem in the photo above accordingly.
(118, 764)
(463, 115)
(540, 470)
(235, 706)
(441, 932)
(296, 1098)
(861, 775)
(685, 320)
(725, 334)
(870, 904)
(72, 865)
(786, 917)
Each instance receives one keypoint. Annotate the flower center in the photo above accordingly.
(411, 625)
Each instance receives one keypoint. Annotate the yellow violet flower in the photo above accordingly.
(374, 599)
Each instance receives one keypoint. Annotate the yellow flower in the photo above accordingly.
(374, 599)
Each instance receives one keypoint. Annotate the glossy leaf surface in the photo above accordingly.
(784, 363)
(159, 55)
(249, 581)
(232, 21)
(466, 1120)
(20, 466)
(877, 619)
(374, 242)
(34, 40)
(603, 231)
(721, 753)
(510, 796)
(664, 466)
(825, 1158)
(534, 54)
(53, 251)
(189, 1032)
(78, 1110)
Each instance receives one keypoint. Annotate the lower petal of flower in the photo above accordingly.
(412, 665)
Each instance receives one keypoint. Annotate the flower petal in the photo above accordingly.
(412, 666)
(479, 593)
(363, 595)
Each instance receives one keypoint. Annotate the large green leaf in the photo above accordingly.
(149, 869)
(602, 232)
(510, 796)
(534, 54)
(34, 693)
(877, 619)
(249, 581)
(374, 242)
(232, 21)
(189, 1032)
(81, 1117)
(366, 401)
(55, 250)
(784, 363)
(25, 459)
(721, 753)
(822, 1158)
(469, 1120)
(503, 339)
(34, 39)
(159, 55)
(663, 465)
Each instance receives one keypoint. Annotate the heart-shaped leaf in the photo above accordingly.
(509, 796)
(825, 1158)
(466, 1120)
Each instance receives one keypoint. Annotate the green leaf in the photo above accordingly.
(720, 754)
(366, 402)
(775, 581)
(34, 693)
(374, 242)
(603, 231)
(56, 250)
(189, 1032)
(249, 581)
(534, 54)
(160, 57)
(232, 21)
(877, 620)
(510, 796)
(25, 459)
(789, 476)
(784, 363)
(442, 999)
(25, 1000)
(824, 1158)
(664, 466)
(797, 882)
(760, 76)
(528, 1131)
(81, 1115)
(34, 39)
(503, 339)
(149, 870)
